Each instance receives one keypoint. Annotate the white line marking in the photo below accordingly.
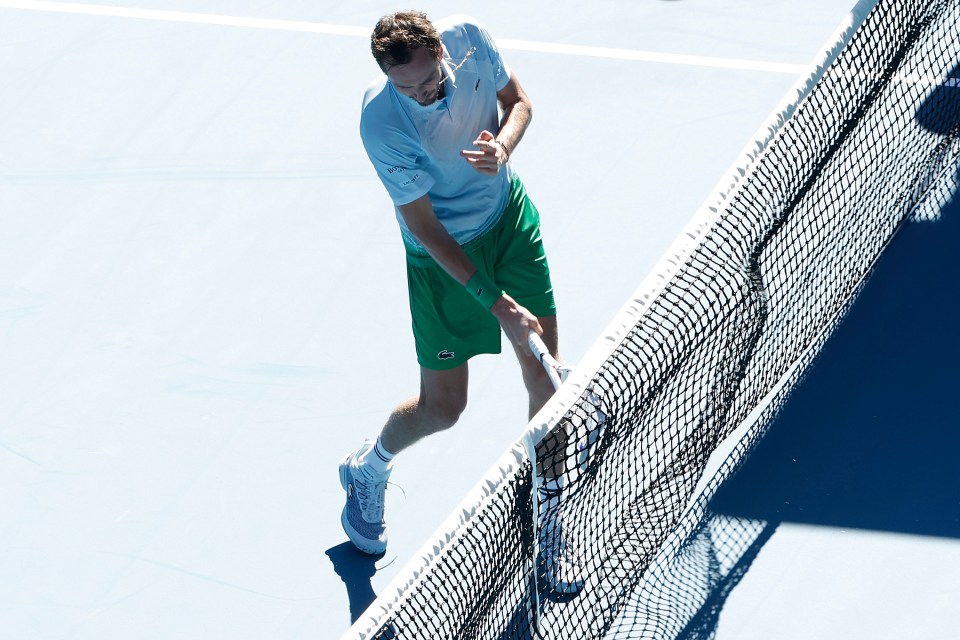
(364, 32)
(181, 16)
(652, 56)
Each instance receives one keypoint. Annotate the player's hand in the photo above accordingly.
(517, 321)
(487, 156)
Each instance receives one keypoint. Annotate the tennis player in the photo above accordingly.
(431, 126)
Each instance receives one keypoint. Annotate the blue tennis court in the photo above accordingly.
(203, 308)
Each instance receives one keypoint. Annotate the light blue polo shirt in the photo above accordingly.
(416, 150)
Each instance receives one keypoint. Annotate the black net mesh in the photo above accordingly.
(719, 348)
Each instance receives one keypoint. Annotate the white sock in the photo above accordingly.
(377, 459)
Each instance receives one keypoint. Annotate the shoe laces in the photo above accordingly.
(370, 494)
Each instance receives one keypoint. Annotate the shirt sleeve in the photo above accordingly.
(396, 160)
(486, 49)
(501, 71)
(485, 42)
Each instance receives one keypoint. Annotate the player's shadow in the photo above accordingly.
(356, 569)
(869, 439)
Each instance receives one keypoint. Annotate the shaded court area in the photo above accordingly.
(856, 485)
(858, 474)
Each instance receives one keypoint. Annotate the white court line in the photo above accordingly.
(181, 16)
(341, 30)
(652, 56)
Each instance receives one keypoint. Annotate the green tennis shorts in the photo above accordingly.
(449, 325)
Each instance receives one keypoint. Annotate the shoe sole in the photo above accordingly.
(361, 543)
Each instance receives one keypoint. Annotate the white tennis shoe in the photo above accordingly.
(362, 516)
(561, 567)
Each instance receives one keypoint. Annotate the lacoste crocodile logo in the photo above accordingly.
(446, 355)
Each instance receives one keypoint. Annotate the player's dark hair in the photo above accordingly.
(397, 35)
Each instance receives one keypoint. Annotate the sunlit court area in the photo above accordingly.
(750, 210)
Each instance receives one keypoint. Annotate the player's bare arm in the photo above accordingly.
(422, 222)
(490, 152)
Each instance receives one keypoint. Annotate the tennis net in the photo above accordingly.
(702, 356)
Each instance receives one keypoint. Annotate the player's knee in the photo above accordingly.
(447, 412)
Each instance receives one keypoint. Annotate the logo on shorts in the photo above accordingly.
(446, 355)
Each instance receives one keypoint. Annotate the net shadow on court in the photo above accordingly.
(867, 441)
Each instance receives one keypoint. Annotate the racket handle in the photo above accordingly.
(550, 365)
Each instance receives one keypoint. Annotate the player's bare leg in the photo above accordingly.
(442, 398)
(364, 473)
(562, 570)
(539, 387)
